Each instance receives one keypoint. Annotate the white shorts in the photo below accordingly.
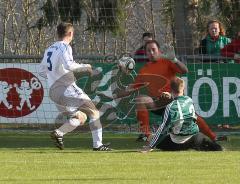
(69, 99)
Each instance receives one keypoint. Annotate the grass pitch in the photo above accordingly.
(32, 158)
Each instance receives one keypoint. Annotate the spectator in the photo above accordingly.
(178, 130)
(140, 54)
(215, 39)
(232, 49)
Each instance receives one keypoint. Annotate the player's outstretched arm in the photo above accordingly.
(80, 68)
(73, 66)
(120, 94)
(169, 53)
(131, 88)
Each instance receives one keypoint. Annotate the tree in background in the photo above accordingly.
(229, 13)
(111, 27)
(103, 16)
(188, 19)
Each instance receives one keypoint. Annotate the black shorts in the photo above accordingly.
(198, 142)
(159, 112)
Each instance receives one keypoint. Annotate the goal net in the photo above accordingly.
(104, 32)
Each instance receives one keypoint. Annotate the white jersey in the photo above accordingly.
(58, 61)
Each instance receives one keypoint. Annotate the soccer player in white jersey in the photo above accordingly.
(179, 130)
(58, 67)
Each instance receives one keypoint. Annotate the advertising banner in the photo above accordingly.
(215, 89)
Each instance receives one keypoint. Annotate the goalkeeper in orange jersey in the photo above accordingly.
(158, 73)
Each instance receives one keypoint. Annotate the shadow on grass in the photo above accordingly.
(83, 142)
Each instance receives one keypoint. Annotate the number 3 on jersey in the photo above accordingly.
(49, 54)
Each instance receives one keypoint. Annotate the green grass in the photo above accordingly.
(31, 158)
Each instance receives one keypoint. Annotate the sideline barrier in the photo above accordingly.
(214, 87)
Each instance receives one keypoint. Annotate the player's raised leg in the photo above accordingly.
(75, 119)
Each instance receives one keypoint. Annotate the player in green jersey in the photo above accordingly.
(179, 130)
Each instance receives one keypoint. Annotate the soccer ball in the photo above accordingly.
(126, 64)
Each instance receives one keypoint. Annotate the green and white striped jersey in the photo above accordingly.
(178, 121)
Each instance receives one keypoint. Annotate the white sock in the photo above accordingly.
(96, 129)
(97, 137)
(68, 126)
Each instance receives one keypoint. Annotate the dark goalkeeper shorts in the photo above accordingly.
(199, 142)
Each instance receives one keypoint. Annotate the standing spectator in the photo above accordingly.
(140, 54)
(215, 39)
(178, 130)
(232, 49)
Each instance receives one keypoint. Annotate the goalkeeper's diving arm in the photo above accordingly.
(119, 94)
(124, 92)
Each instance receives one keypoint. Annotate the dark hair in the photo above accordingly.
(221, 27)
(63, 28)
(150, 42)
(176, 84)
(147, 34)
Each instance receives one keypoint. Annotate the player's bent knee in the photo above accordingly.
(94, 115)
(81, 116)
(94, 122)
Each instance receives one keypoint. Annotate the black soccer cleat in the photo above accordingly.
(104, 147)
(217, 147)
(209, 145)
(58, 140)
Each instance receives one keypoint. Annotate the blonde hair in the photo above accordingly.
(177, 84)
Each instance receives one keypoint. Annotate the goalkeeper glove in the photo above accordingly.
(169, 53)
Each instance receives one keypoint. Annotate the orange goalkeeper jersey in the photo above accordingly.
(162, 68)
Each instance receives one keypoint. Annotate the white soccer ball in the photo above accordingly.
(126, 64)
